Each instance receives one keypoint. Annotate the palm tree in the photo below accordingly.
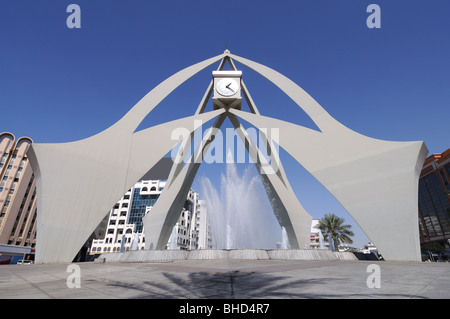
(333, 225)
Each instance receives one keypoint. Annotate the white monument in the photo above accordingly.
(375, 180)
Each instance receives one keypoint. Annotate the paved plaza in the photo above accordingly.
(226, 279)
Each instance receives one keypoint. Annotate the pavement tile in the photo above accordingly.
(227, 279)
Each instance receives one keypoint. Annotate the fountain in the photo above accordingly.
(173, 240)
(242, 223)
(229, 237)
(321, 245)
(241, 215)
(135, 242)
(284, 239)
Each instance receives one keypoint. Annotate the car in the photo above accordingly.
(24, 262)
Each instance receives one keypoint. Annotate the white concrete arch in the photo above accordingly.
(78, 182)
(376, 181)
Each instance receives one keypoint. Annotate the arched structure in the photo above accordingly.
(376, 181)
(71, 202)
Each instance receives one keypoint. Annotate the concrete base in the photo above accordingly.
(217, 254)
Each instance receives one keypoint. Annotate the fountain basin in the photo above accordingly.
(217, 254)
(207, 254)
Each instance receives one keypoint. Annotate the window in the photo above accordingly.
(138, 207)
(433, 205)
(444, 178)
(4, 158)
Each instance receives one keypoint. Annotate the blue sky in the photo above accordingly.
(390, 83)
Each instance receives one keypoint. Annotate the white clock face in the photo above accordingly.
(227, 87)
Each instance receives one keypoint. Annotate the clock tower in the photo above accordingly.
(227, 89)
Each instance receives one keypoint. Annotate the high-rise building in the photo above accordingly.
(202, 237)
(125, 231)
(17, 193)
(434, 198)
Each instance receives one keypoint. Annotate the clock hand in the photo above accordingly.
(228, 87)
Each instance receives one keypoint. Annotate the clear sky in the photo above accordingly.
(59, 84)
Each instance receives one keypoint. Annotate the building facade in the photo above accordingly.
(434, 198)
(17, 193)
(202, 236)
(124, 228)
(316, 237)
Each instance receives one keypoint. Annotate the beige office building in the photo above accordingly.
(17, 193)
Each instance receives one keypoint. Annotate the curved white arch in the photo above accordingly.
(376, 181)
(317, 113)
(78, 182)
